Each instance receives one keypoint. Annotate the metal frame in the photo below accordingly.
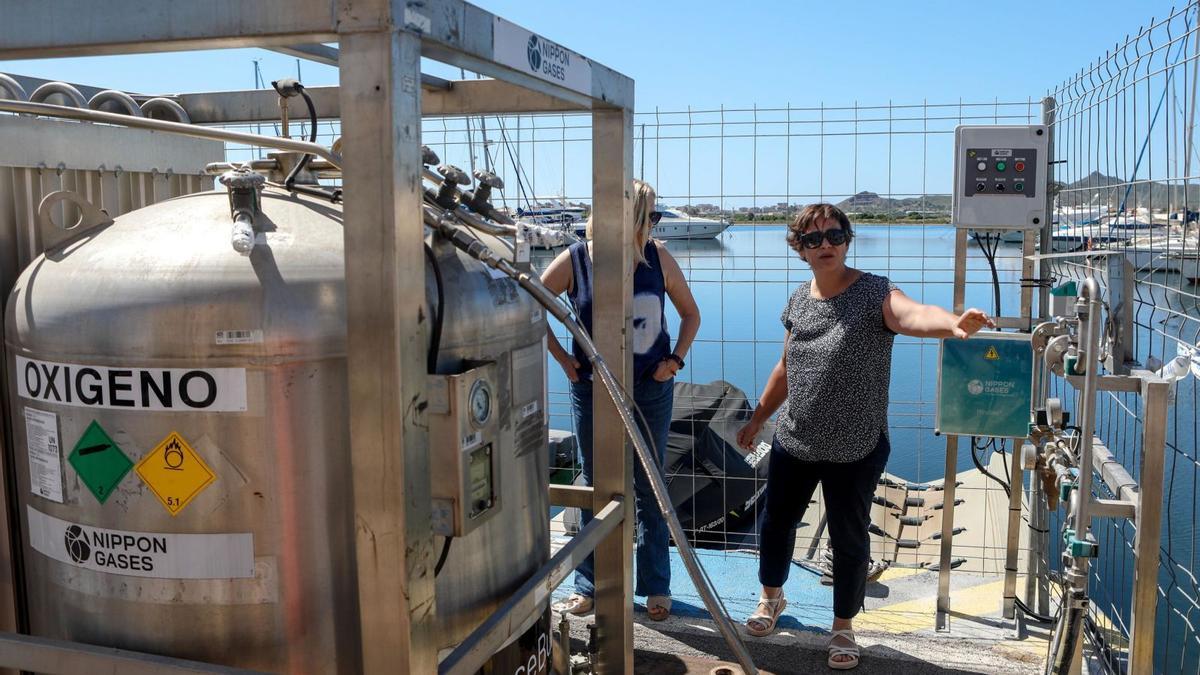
(380, 105)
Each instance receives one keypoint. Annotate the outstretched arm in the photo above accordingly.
(906, 316)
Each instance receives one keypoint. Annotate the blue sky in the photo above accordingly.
(711, 54)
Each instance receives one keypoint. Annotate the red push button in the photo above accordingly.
(1019, 166)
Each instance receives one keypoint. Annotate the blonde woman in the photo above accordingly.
(656, 276)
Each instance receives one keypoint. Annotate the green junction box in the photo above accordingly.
(985, 385)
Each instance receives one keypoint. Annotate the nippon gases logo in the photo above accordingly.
(113, 550)
(547, 58)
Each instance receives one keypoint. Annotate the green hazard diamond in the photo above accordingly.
(99, 462)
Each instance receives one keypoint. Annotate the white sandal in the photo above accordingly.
(837, 650)
(766, 614)
(575, 604)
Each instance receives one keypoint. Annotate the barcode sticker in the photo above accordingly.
(471, 440)
(529, 410)
(239, 337)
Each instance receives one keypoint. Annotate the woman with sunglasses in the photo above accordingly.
(656, 276)
(832, 381)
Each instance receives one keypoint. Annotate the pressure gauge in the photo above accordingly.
(480, 402)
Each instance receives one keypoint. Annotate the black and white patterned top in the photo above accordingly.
(839, 365)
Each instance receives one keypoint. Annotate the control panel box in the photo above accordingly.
(1000, 176)
(464, 410)
(985, 385)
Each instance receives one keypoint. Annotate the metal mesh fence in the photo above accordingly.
(1124, 139)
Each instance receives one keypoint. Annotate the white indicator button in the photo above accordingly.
(982, 166)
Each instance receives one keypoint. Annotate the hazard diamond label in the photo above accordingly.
(99, 461)
(175, 473)
(991, 354)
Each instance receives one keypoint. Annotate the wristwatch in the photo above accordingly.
(675, 357)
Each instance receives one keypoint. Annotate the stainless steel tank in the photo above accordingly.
(181, 443)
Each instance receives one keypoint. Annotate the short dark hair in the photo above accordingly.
(812, 216)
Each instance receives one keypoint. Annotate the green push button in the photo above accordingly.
(1000, 166)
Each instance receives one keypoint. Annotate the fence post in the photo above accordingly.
(1149, 526)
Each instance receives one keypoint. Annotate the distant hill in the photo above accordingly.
(873, 204)
(1098, 188)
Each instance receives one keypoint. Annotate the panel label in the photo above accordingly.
(45, 454)
(117, 388)
(530, 53)
(142, 554)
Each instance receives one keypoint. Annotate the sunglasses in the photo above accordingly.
(834, 237)
(655, 216)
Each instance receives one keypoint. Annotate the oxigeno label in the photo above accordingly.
(120, 388)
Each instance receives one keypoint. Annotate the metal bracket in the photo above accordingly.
(89, 215)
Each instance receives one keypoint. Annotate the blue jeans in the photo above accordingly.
(848, 488)
(653, 564)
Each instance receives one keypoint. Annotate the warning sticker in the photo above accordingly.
(991, 354)
(99, 461)
(175, 473)
(45, 454)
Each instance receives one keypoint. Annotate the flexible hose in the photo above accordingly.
(312, 137)
(476, 249)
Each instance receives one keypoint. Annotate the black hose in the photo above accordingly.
(435, 338)
(437, 569)
(312, 137)
(1066, 635)
(1038, 618)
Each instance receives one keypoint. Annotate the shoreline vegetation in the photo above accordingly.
(927, 220)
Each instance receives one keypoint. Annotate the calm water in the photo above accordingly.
(742, 280)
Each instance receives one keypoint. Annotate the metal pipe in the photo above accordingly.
(658, 487)
(1089, 300)
(85, 115)
(60, 657)
(122, 99)
(470, 655)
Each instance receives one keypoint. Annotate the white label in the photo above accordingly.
(529, 410)
(45, 454)
(117, 388)
(535, 316)
(142, 554)
(239, 337)
(759, 452)
(1001, 153)
(530, 53)
(471, 440)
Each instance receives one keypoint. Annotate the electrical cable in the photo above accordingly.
(1038, 618)
(988, 245)
(312, 116)
(437, 569)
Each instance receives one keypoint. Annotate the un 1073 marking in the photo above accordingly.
(172, 389)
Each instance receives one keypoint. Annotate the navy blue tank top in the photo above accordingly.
(651, 342)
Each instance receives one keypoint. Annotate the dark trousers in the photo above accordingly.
(847, 488)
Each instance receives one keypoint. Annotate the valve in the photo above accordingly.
(429, 157)
(478, 200)
(243, 185)
(448, 193)
(1080, 548)
(1066, 485)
